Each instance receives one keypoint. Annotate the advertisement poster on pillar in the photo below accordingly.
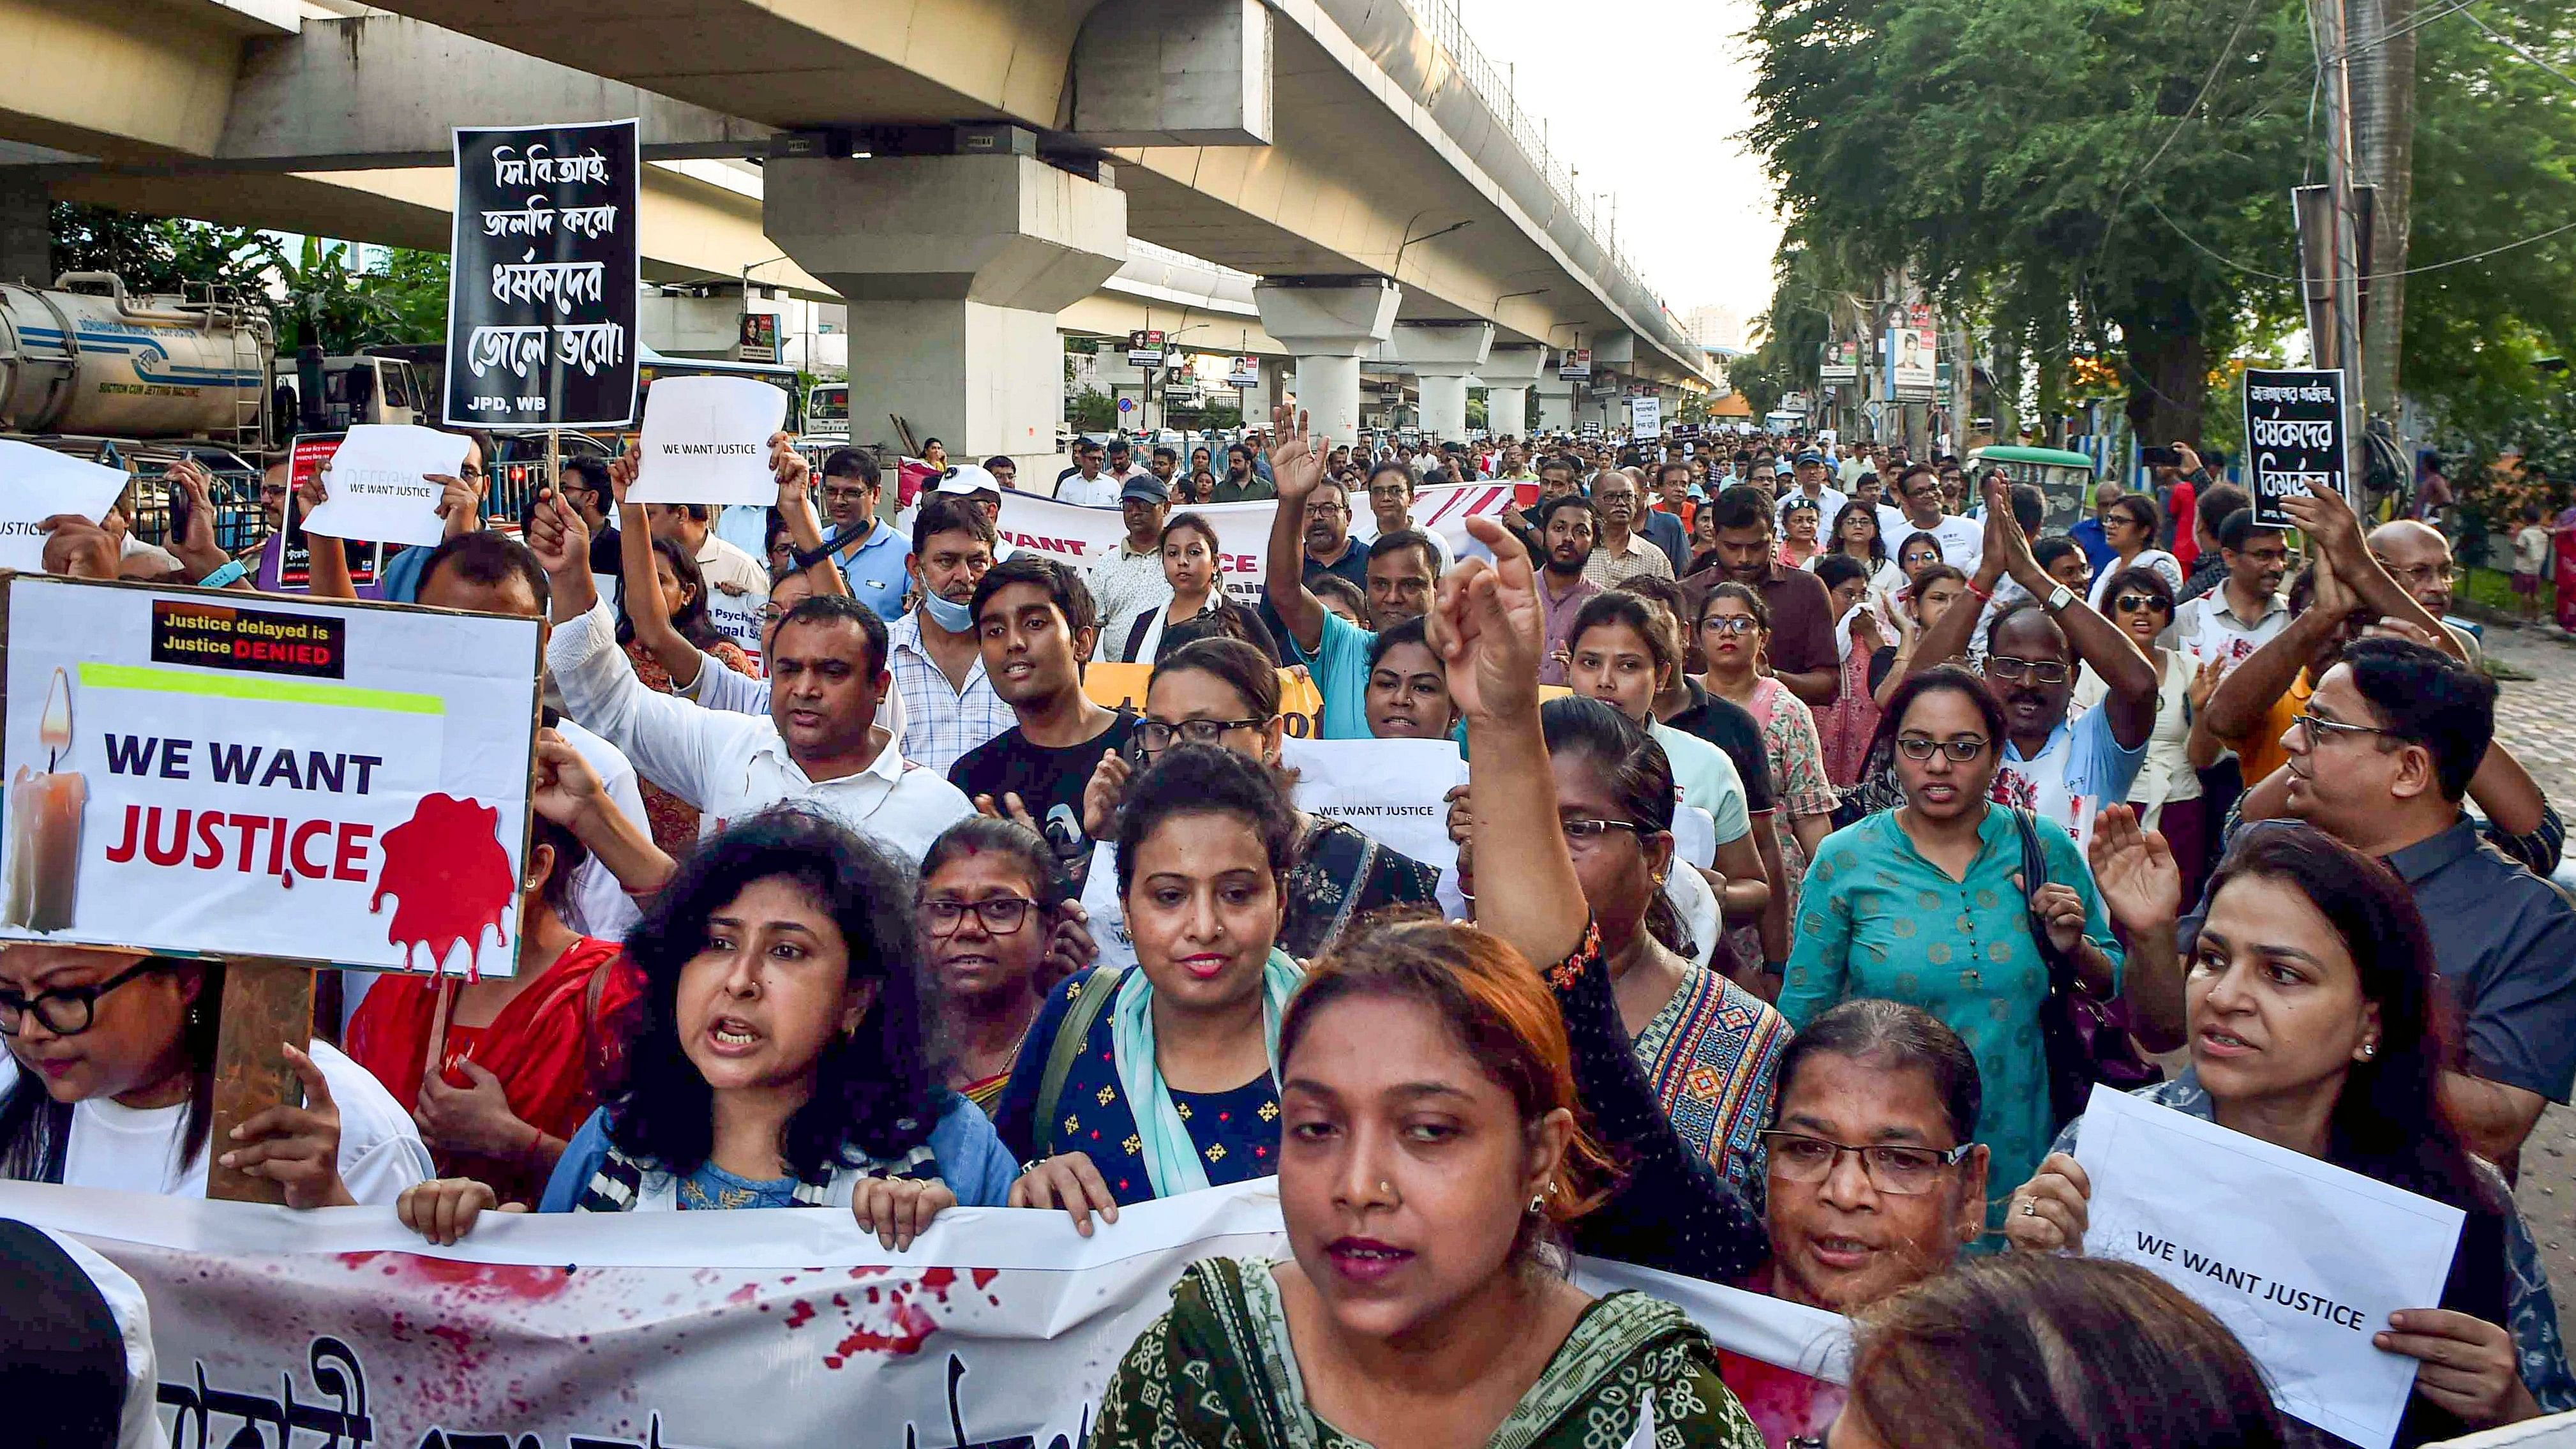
(541, 296)
(197, 772)
(1574, 365)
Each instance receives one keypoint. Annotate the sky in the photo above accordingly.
(1635, 94)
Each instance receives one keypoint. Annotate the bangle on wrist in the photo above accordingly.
(1982, 596)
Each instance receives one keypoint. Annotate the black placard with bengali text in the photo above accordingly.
(2294, 442)
(541, 299)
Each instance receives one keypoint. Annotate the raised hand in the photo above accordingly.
(566, 786)
(1488, 627)
(1297, 458)
(2329, 523)
(2049, 1213)
(557, 536)
(2134, 869)
(787, 465)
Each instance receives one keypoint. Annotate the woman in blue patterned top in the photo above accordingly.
(2314, 1026)
(777, 1057)
(1164, 1079)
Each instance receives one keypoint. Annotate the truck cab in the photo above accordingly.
(355, 390)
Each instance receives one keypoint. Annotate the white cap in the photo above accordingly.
(967, 478)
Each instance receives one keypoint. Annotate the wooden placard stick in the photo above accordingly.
(266, 1004)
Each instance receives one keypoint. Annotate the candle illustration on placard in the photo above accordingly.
(45, 823)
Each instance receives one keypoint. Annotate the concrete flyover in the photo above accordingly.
(970, 169)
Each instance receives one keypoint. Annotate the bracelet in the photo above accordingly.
(231, 572)
(1982, 596)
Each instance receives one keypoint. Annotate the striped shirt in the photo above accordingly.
(940, 721)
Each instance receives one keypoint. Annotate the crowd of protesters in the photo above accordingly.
(1806, 789)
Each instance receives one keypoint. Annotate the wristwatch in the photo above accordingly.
(2060, 597)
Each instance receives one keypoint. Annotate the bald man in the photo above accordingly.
(2419, 558)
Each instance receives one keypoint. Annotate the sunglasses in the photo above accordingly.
(2139, 603)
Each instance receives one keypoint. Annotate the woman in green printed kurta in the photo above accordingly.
(1921, 904)
(1430, 1152)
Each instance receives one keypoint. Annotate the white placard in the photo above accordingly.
(378, 486)
(37, 483)
(249, 775)
(1388, 790)
(706, 440)
(2302, 1260)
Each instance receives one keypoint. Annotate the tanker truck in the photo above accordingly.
(85, 358)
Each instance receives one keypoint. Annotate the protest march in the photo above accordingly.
(1710, 935)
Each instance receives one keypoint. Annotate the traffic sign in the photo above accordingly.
(1126, 405)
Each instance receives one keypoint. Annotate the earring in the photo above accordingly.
(2369, 1049)
(1538, 1204)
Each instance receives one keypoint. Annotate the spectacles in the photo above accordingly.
(471, 471)
(67, 1010)
(1157, 736)
(2137, 603)
(1730, 624)
(999, 915)
(2046, 671)
(1962, 749)
(1893, 1168)
(2314, 730)
(2421, 574)
(1582, 833)
(846, 495)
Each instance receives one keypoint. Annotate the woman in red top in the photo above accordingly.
(523, 1056)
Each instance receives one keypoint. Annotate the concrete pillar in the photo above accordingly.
(1443, 355)
(26, 228)
(1508, 374)
(1555, 404)
(1328, 324)
(954, 268)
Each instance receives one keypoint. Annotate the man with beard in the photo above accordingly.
(1803, 654)
(1568, 524)
(2230, 622)
(1037, 623)
(1556, 475)
(1240, 483)
(2065, 769)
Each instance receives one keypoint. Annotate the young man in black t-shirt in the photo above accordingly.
(1035, 622)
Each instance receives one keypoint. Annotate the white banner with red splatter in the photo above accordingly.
(1084, 536)
(337, 1329)
(239, 774)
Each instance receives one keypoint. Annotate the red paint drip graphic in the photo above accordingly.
(446, 868)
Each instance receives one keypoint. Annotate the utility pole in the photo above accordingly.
(2383, 144)
(2338, 342)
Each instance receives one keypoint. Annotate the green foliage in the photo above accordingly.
(2015, 155)
(2495, 162)
(1091, 411)
(154, 254)
(316, 294)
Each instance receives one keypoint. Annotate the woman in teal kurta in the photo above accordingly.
(1920, 904)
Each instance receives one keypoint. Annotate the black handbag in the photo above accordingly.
(2086, 1037)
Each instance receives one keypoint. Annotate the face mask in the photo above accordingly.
(953, 617)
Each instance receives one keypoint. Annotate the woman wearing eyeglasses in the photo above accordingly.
(1734, 628)
(1222, 692)
(990, 891)
(2166, 793)
(1800, 521)
(2129, 526)
(1921, 905)
(109, 1081)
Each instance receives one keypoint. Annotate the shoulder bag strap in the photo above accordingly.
(1088, 1004)
(2034, 874)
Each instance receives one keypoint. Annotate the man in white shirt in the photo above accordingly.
(2246, 612)
(1963, 542)
(1130, 581)
(1086, 485)
(821, 744)
(737, 583)
(1811, 485)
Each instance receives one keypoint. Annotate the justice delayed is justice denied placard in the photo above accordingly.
(230, 774)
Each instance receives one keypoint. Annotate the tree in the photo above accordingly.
(2494, 165)
(2063, 167)
(156, 254)
(330, 303)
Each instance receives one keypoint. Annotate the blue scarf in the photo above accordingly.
(1171, 1157)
